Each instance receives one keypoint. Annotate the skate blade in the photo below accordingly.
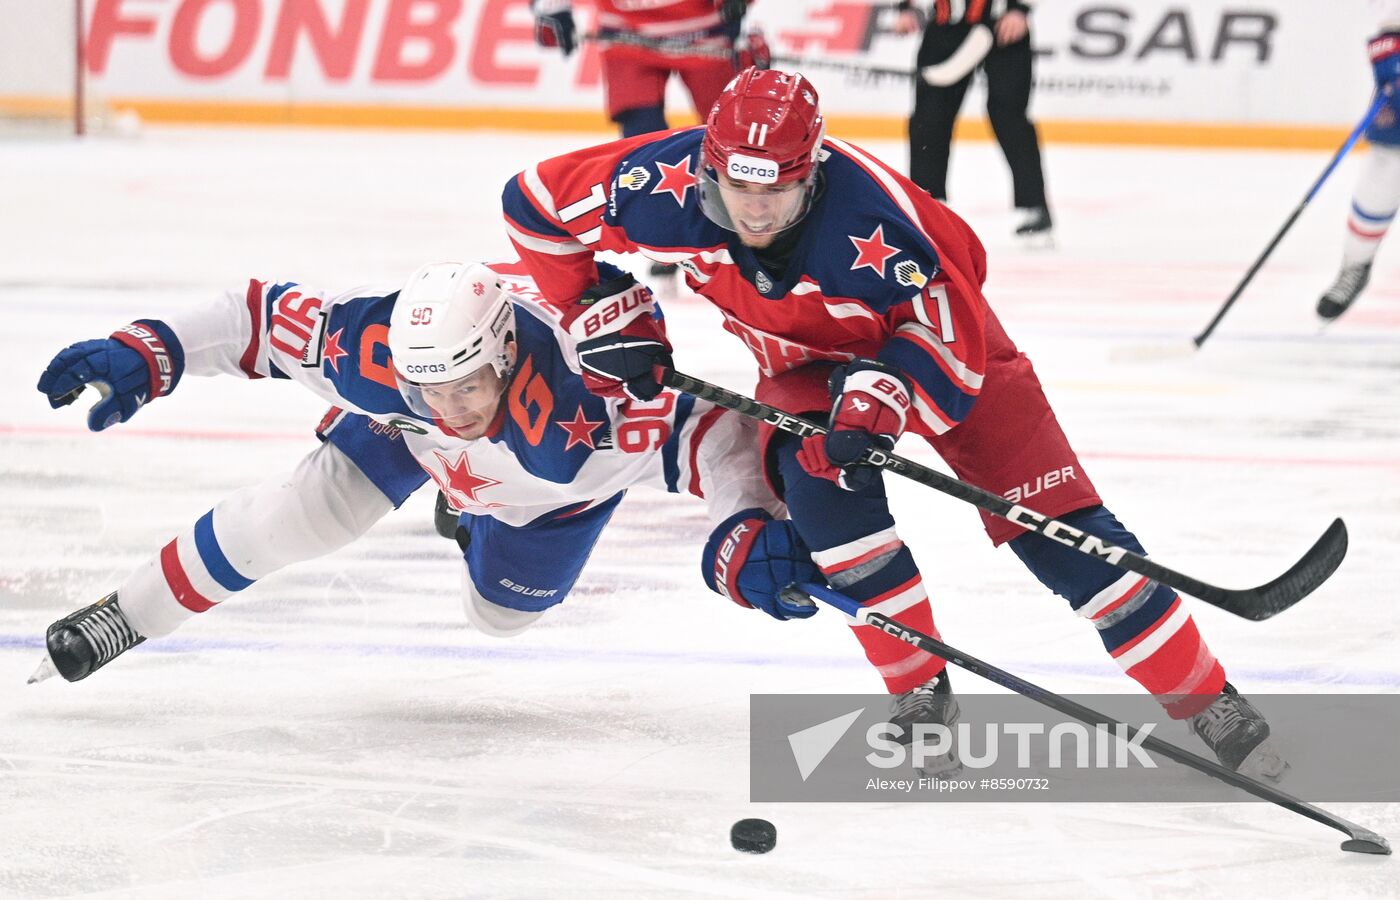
(1264, 761)
(45, 671)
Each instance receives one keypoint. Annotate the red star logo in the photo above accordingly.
(675, 180)
(580, 431)
(459, 482)
(332, 351)
(873, 252)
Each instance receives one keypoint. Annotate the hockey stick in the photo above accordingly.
(955, 68)
(959, 64)
(680, 46)
(1359, 839)
(969, 54)
(1256, 604)
(1371, 113)
(855, 70)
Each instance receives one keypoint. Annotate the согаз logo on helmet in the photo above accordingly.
(751, 168)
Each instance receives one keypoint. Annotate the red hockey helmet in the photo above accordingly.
(766, 129)
(769, 117)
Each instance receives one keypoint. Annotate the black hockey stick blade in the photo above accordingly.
(1304, 577)
(1359, 839)
(1255, 604)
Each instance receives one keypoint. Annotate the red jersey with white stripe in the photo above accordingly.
(879, 268)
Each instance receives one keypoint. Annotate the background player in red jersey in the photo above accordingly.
(644, 43)
(861, 295)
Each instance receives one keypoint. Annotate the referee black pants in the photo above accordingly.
(1008, 96)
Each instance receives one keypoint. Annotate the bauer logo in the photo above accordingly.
(751, 168)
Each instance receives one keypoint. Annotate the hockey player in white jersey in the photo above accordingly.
(1377, 194)
(457, 376)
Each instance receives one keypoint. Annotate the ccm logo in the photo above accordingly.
(421, 370)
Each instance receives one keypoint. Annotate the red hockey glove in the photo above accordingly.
(622, 346)
(751, 557)
(753, 50)
(870, 406)
(554, 24)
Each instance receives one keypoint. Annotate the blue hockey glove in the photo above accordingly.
(622, 346)
(870, 406)
(751, 557)
(137, 363)
(1385, 60)
(554, 24)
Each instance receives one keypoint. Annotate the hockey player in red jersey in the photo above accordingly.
(644, 42)
(861, 298)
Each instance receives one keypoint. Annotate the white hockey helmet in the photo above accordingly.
(449, 321)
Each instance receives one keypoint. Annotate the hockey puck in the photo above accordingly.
(753, 836)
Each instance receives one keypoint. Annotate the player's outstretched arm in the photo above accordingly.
(133, 366)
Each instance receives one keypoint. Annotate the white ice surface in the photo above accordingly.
(338, 731)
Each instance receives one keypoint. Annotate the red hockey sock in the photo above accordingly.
(1172, 661)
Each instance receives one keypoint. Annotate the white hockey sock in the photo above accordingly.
(324, 505)
(1373, 204)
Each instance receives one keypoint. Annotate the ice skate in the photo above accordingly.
(1238, 735)
(1344, 291)
(1035, 228)
(931, 703)
(87, 640)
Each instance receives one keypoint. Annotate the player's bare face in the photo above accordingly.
(760, 212)
(468, 405)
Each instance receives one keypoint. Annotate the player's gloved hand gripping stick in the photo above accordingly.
(1257, 603)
